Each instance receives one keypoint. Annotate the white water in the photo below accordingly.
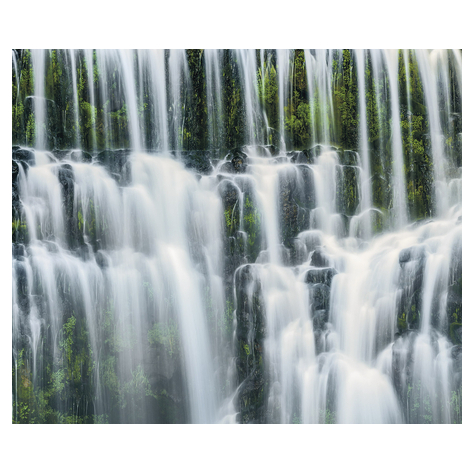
(213, 96)
(366, 192)
(399, 182)
(39, 100)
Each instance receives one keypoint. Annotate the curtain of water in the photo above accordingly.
(253, 288)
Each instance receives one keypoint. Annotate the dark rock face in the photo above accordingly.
(23, 155)
(293, 217)
(319, 305)
(234, 241)
(454, 296)
(349, 158)
(347, 192)
(250, 334)
(306, 190)
(319, 259)
(16, 207)
(414, 253)
(229, 193)
(321, 276)
(81, 156)
(66, 180)
(237, 162)
(117, 162)
(197, 160)
(20, 158)
(312, 153)
(412, 261)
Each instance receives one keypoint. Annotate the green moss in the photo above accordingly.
(30, 130)
(298, 121)
(232, 221)
(80, 220)
(252, 226)
(453, 336)
(268, 93)
(166, 335)
(346, 102)
(17, 122)
(401, 323)
(327, 416)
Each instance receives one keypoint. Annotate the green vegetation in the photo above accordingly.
(252, 226)
(346, 102)
(268, 93)
(166, 335)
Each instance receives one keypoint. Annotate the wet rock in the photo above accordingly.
(234, 255)
(300, 157)
(229, 193)
(250, 309)
(81, 156)
(347, 190)
(234, 242)
(18, 251)
(313, 153)
(411, 254)
(457, 357)
(66, 181)
(250, 334)
(319, 297)
(252, 397)
(61, 154)
(237, 162)
(16, 205)
(321, 276)
(298, 252)
(306, 193)
(267, 150)
(227, 167)
(293, 218)
(455, 333)
(349, 158)
(252, 223)
(319, 319)
(197, 160)
(22, 288)
(15, 170)
(101, 259)
(117, 162)
(319, 259)
(24, 155)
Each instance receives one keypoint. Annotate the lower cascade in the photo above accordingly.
(236, 236)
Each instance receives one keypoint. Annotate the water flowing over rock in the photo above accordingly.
(237, 236)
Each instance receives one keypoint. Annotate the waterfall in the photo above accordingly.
(237, 236)
(39, 99)
(213, 97)
(399, 183)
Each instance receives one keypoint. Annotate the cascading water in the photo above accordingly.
(244, 236)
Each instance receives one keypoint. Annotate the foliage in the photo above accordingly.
(252, 226)
(166, 334)
(346, 101)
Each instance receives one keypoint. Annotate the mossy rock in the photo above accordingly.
(252, 226)
(455, 333)
(347, 194)
(321, 276)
